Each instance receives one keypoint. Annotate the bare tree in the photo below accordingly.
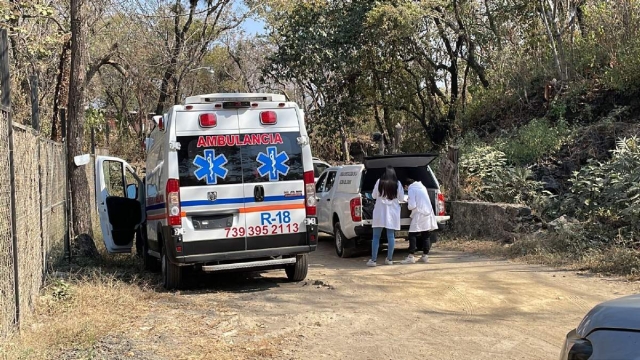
(194, 30)
(80, 78)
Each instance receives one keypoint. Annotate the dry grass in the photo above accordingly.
(109, 309)
(613, 261)
(77, 313)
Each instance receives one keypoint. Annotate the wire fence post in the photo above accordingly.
(35, 123)
(67, 215)
(6, 103)
(93, 140)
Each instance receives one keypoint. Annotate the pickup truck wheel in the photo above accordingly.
(171, 274)
(339, 242)
(298, 271)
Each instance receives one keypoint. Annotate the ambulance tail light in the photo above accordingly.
(442, 211)
(208, 120)
(173, 202)
(310, 194)
(268, 118)
(356, 209)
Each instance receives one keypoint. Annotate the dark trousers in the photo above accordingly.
(419, 241)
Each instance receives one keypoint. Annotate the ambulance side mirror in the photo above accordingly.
(82, 160)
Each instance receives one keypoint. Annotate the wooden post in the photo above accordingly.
(452, 155)
(397, 138)
(4, 69)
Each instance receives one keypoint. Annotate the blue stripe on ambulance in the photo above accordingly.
(246, 200)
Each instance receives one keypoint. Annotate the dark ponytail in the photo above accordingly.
(388, 186)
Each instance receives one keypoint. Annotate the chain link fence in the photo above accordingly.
(33, 206)
(53, 178)
(28, 216)
(36, 243)
(7, 277)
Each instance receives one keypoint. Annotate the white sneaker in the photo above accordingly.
(388, 262)
(409, 260)
(424, 259)
(371, 263)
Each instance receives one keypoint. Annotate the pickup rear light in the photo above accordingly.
(310, 194)
(442, 211)
(173, 202)
(356, 209)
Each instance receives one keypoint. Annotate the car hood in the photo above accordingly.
(399, 160)
(622, 313)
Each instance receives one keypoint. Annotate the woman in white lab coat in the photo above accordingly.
(386, 213)
(423, 220)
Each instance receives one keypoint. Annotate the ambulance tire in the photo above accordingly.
(339, 241)
(171, 274)
(298, 271)
(140, 239)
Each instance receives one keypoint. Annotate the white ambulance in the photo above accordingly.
(229, 185)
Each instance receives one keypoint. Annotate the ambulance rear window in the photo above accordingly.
(234, 159)
(280, 160)
(195, 163)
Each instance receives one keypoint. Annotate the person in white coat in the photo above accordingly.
(386, 213)
(423, 220)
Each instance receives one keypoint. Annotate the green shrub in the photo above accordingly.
(487, 177)
(624, 73)
(535, 140)
(608, 194)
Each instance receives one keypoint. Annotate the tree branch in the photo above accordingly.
(106, 59)
(116, 65)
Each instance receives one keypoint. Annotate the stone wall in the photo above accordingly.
(492, 221)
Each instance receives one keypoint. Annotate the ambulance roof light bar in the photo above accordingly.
(224, 97)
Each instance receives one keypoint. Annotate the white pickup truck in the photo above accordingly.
(345, 205)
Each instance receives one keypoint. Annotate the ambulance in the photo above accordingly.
(229, 186)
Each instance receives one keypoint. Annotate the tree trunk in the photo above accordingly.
(58, 94)
(344, 144)
(81, 209)
(552, 40)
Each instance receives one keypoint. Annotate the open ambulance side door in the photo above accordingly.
(120, 201)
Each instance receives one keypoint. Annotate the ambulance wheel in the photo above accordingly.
(298, 271)
(171, 274)
(140, 240)
(340, 242)
(150, 263)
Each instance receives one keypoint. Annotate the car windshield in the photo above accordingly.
(239, 164)
(319, 168)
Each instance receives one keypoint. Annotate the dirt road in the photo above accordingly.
(457, 307)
